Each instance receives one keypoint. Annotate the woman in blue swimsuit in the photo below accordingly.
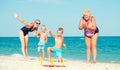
(23, 33)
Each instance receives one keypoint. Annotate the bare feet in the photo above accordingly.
(59, 60)
(94, 62)
(41, 59)
(87, 62)
(49, 59)
(26, 58)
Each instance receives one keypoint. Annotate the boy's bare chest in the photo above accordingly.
(58, 39)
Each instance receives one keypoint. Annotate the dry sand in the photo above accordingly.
(18, 63)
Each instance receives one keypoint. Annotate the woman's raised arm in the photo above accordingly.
(22, 20)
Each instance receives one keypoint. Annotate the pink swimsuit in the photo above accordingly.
(89, 32)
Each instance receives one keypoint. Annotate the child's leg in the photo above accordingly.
(59, 54)
(39, 53)
(49, 50)
(42, 54)
(59, 59)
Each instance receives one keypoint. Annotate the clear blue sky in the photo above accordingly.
(60, 13)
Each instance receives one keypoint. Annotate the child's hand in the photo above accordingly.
(37, 36)
(48, 31)
(64, 45)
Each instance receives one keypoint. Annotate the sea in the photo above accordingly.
(108, 48)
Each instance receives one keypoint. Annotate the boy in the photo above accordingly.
(59, 43)
(43, 39)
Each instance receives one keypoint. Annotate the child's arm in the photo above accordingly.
(37, 34)
(51, 34)
(46, 38)
(22, 20)
(64, 43)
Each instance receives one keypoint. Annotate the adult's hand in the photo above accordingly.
(15, 15)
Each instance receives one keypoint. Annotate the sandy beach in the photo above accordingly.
(18, 63)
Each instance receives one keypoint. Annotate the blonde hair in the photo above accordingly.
(43, 26)
(86, 12)
(37, 20)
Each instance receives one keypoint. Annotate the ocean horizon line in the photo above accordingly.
(50, 36)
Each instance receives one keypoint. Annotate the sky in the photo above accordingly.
(60, 13)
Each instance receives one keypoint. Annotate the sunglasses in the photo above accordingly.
(37, 23)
